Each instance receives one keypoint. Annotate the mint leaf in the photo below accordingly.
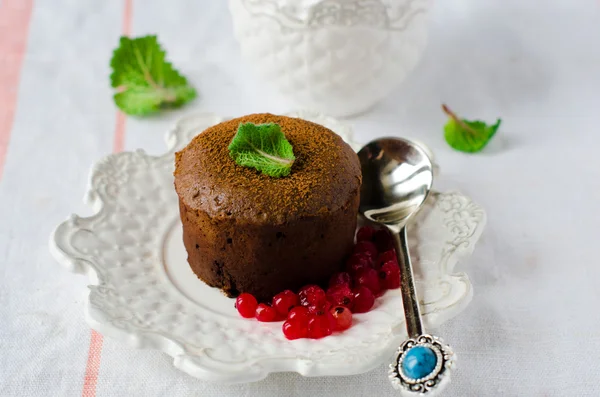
(467, 136)
(264, 147)
(144, 80)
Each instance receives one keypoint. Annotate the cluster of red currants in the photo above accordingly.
(315, 313)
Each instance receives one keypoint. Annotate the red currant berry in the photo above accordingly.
(295, 329)
(389, 275)
(246, 305)
(342, 317)
(383, 240)
(298, 313)
(363, 300)
(340, 295)
(357, 262)
(319, 326)
(367, 248)
(368, 278)
(265, 313)
(341, 278)
(284, 301)
(365, 233)
(386, 256)
(312, 295)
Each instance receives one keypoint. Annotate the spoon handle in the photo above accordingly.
(414, 326)
(423, 362)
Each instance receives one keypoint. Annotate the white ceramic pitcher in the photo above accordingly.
(339, 57)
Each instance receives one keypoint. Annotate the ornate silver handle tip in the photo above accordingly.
(422, 366)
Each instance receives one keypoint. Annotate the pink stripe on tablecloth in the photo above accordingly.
(119, 139)
(14, 29)
(93, 365)
(92, 369)
(127, 17)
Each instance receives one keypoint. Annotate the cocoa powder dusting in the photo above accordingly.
(324, 177)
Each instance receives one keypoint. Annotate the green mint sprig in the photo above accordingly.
(467, 136)
(144, 80)
(263, 147)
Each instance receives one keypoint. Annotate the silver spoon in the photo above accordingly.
(397, 178)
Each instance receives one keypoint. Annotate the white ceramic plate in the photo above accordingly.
(143, 292)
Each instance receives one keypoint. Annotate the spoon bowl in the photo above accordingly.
(397, 178)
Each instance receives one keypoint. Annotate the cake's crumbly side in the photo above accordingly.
(265, 260)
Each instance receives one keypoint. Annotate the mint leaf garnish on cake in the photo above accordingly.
(468, 136)
(263, 147)
(145, 81)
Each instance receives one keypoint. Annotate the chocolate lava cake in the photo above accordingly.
(245, 231)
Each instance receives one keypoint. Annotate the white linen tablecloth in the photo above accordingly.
(533, 328)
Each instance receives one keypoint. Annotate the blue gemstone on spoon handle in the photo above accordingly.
(397, 178)
(418, 362)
